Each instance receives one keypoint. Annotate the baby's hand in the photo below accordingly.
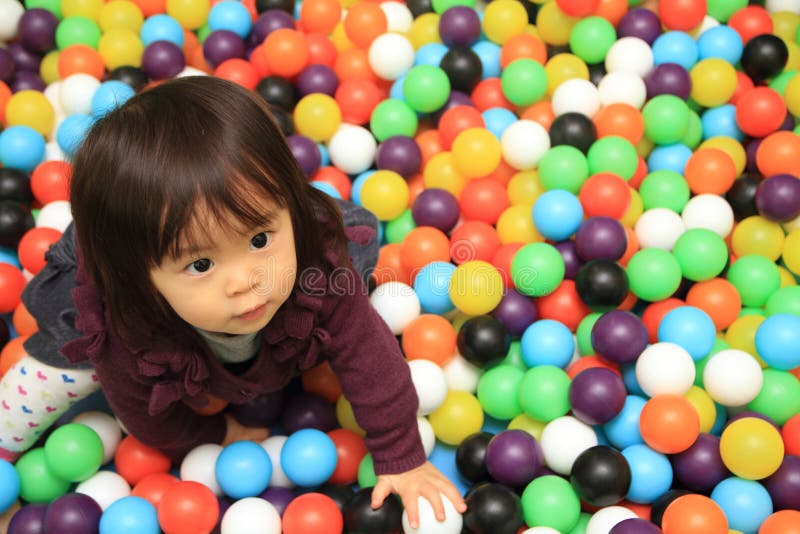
(238, 432)
(425, 481)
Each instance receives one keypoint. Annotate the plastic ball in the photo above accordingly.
(710, 212)
(130, 515)
(694, 513)
(513, 458)
(10, 486)
(429, 381)
(459, 416)
(669, 424)
(524, 143)
(537, 269)
(352, 149)
(21, 147)
(576, 96)
(775, 341)
(596, 395)
(188, 506)
(428, 523)
(549, 501)
(120, 47)
(563, 440)
(476, 287)
(544, 393)
(746, 504)
(393, 117)
(360, 517)
(152, 487)
(134, 460)
(105, 487)
(651, 473)
(654, 274)
(190, 14)
(312, 512)
(689, 327)
(524, 82)
(238, 459)
(308, 457)
(665, 368)
(81, 445)
(72, 512)
(493, 507)
(109, 96)
(30, 108)
(760, 111)
(390, 56)
(764, 56)
(629, 54)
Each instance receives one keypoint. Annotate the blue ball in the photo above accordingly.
(8, 255)
(324, 155)
(557, 214)
(396, 90)
(651, 473)
(430, 54)
(325, 187)
(630, 380)
(109, 96)
(9, 485)
(21, 147)
(669, 158)
(496, 120)
(243, 469)
(232, 16)
(720, 420)
(721, 42)
(309, 457)
(130, 515)
(432, 286)
(721, 120)
(623, 430)
(72, 131)
(746, 503)
(489, 54)
(547, 342)
(161, 28)
(778, 339)
(691, 328)
(675, 47)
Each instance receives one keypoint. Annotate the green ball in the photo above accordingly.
(544, 393)
(366, 472)
(664, 189)
(77, 30)
(666, 119)
(779, 398)
(440, 6)
(563, 167)
(393, 117)
(583, 522)
(53, 6)
(550, 501)
(398, 228)
(615, 155)
(426, 88)
(752, 311)
(37, 483)
(721, 10)
(524, 82)
(755, 277)
(498, 391)
(514, 356)
(701, 253)
(584, 333)
(537, 269)
(784, 300)
(779, 82)
(654, 274)
(203, 32)
(591, 38)
(73, 452)
(694, 133)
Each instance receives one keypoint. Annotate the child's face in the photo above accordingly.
(238, 281)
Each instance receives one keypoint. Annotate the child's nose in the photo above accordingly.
(240, 280)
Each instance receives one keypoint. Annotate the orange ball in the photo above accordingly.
(502, 261)
(350, 450)
(322, 381)
(590, 362)
(622, 120)
(605, 194)
(5, 95)
(523, 46)
(33, 245)
(503, 173)
(429, 143)
(364, 22)
(238, 71)
(80, 58)
(632, 247)
(710, 170)
(353, 64)
(782, 522)
(357, 99)
(152, 487)
(286, 51)
(473, 240)
(151, 7)
(423, 245)
(390, 267)
(483, 200)
(321, 50)
(694, 514)
(213, 406)
(336, 178)
(541, 112)
(563, 305)
(12, 352)
(429, 337)
(611, 10)
(655, 312)
(669, 424)
(718, 298)
(489, 94)
(455, 120)
(777, 154)
(24, 323)
(134, 460)
(320, 16)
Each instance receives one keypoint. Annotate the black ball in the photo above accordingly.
(764, 56)
(340, 493)
(596, 73)
(483, 341)
(554, 50)
(602, 284)
(15, 220)
(492, 509)
(532, 9)
(360, 518)
(285, 5)
(660, 505)
(419, 7)
(132, 76)
(277, 91)
(5, 334)
(463, 68)
(471, 457)
(574, 129)
(742, 197)
(284, 120)
(263, 411)
(601, 476)
(15, 185)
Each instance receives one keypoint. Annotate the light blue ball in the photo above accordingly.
(721, 120)
(720, 420)
(9, 485)
(547, 342)
(396, 90)
(21, 147)
(746, 503)
(689, 327)
(630, 380)
(778, 341)
(623, 430)
(309, 457)
(651, 473)
(72, 131)
(430, 54)
(9, 256)
(109, 96)
(557, 214)
(130, 515)
(669, 158)
(721, 42)
(489, 54)
(675, 47)
(232, 16)
(327, 188)
(324, 155)
(496, 120)
(243, 469)
(161, 27)
(432, 286)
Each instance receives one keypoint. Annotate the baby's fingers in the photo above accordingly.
(411, 505)
(379, 493)
(454, 496)
(435, 498)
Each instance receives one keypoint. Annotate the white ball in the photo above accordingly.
(776, 6)
(563, 440)
(430, 384)
(199, 466)
(273, 445)
(630, 54)
(603, 520)
(56, 214)
(76, 93)
(578, 96)
(106, 427)
(10, 13)
(105, 487)
(426, 434)
(791, 226)
(659, 227)
(665, 368)
(540, 530)
(428, 524)
(711, 212)
(53, 95)
(352, 149)
(622, 87)
(398, 16)
(462, 375)
(397, 304)
(707, 24)
(251, 515)
(732, 377)
(524, 143)
(190, 71)
(391, 55)
(53, 152)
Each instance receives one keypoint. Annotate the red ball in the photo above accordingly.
(751, 21)
(153, 487)
(455, 120)
(489, 94)
(134, 460)
(33, 245)
(336, 178)
(50, 181)
(502, 262)
(577, 8)
(484, 199)
(238, 71)
(563, 305)
(312, 512)
(473, 240)
(188, 508)
(350, 450)
(682, 15)
(12, 282)
(321, 50)
(605, 194)
(791, 435)
(760, 111)
(655, 312)
(357, 99)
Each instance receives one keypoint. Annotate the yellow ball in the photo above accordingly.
(385, 193)
(554, 25)
(191, 14)
(741, 334)
(503, 19)
(82, 8)
(515, 225)
(704, 405)
(784, 24)
(30, 108)
(441, 173)
(731, 147)
(793, 62)
(634, 211)
(757, 235)
(527, 423)
(644, 147)
(424, 30)
(476, 152)
(346, 417)
(119, 47)
(476, 287)
(48, 68)
(751, 448)
(563, 67)
(340, 39)
(524, 188)
(459, 416)
(791, 252)
(317, 116)
(713, 82)
(787, 278)
(121, 14)
(792, 95)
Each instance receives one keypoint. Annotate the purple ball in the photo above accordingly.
(221, 45)
(437, 208)
(23, 58)
(262, 411)
(399, 154)
(596, 395)
(700, 467)
(778, 198)
(619, 336)
(600, 238)
(459, 26)
(37, 30)
(25, 80)
(317, 79)
(784, 484)
(269, 21)
(306, 152)
(513, 458)
(224, 504)
(516, 312)
(641, 23)
(635, 525)
(307, 410)
(788, 123)
(668, 79)
(572, 263)
(278, 497)
(750, 151)
(748, 413)
(28, 520)
(162, 60)
(73, 513)
(7, 67)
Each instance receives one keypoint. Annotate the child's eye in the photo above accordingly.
(199, 266)
(260, 240)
